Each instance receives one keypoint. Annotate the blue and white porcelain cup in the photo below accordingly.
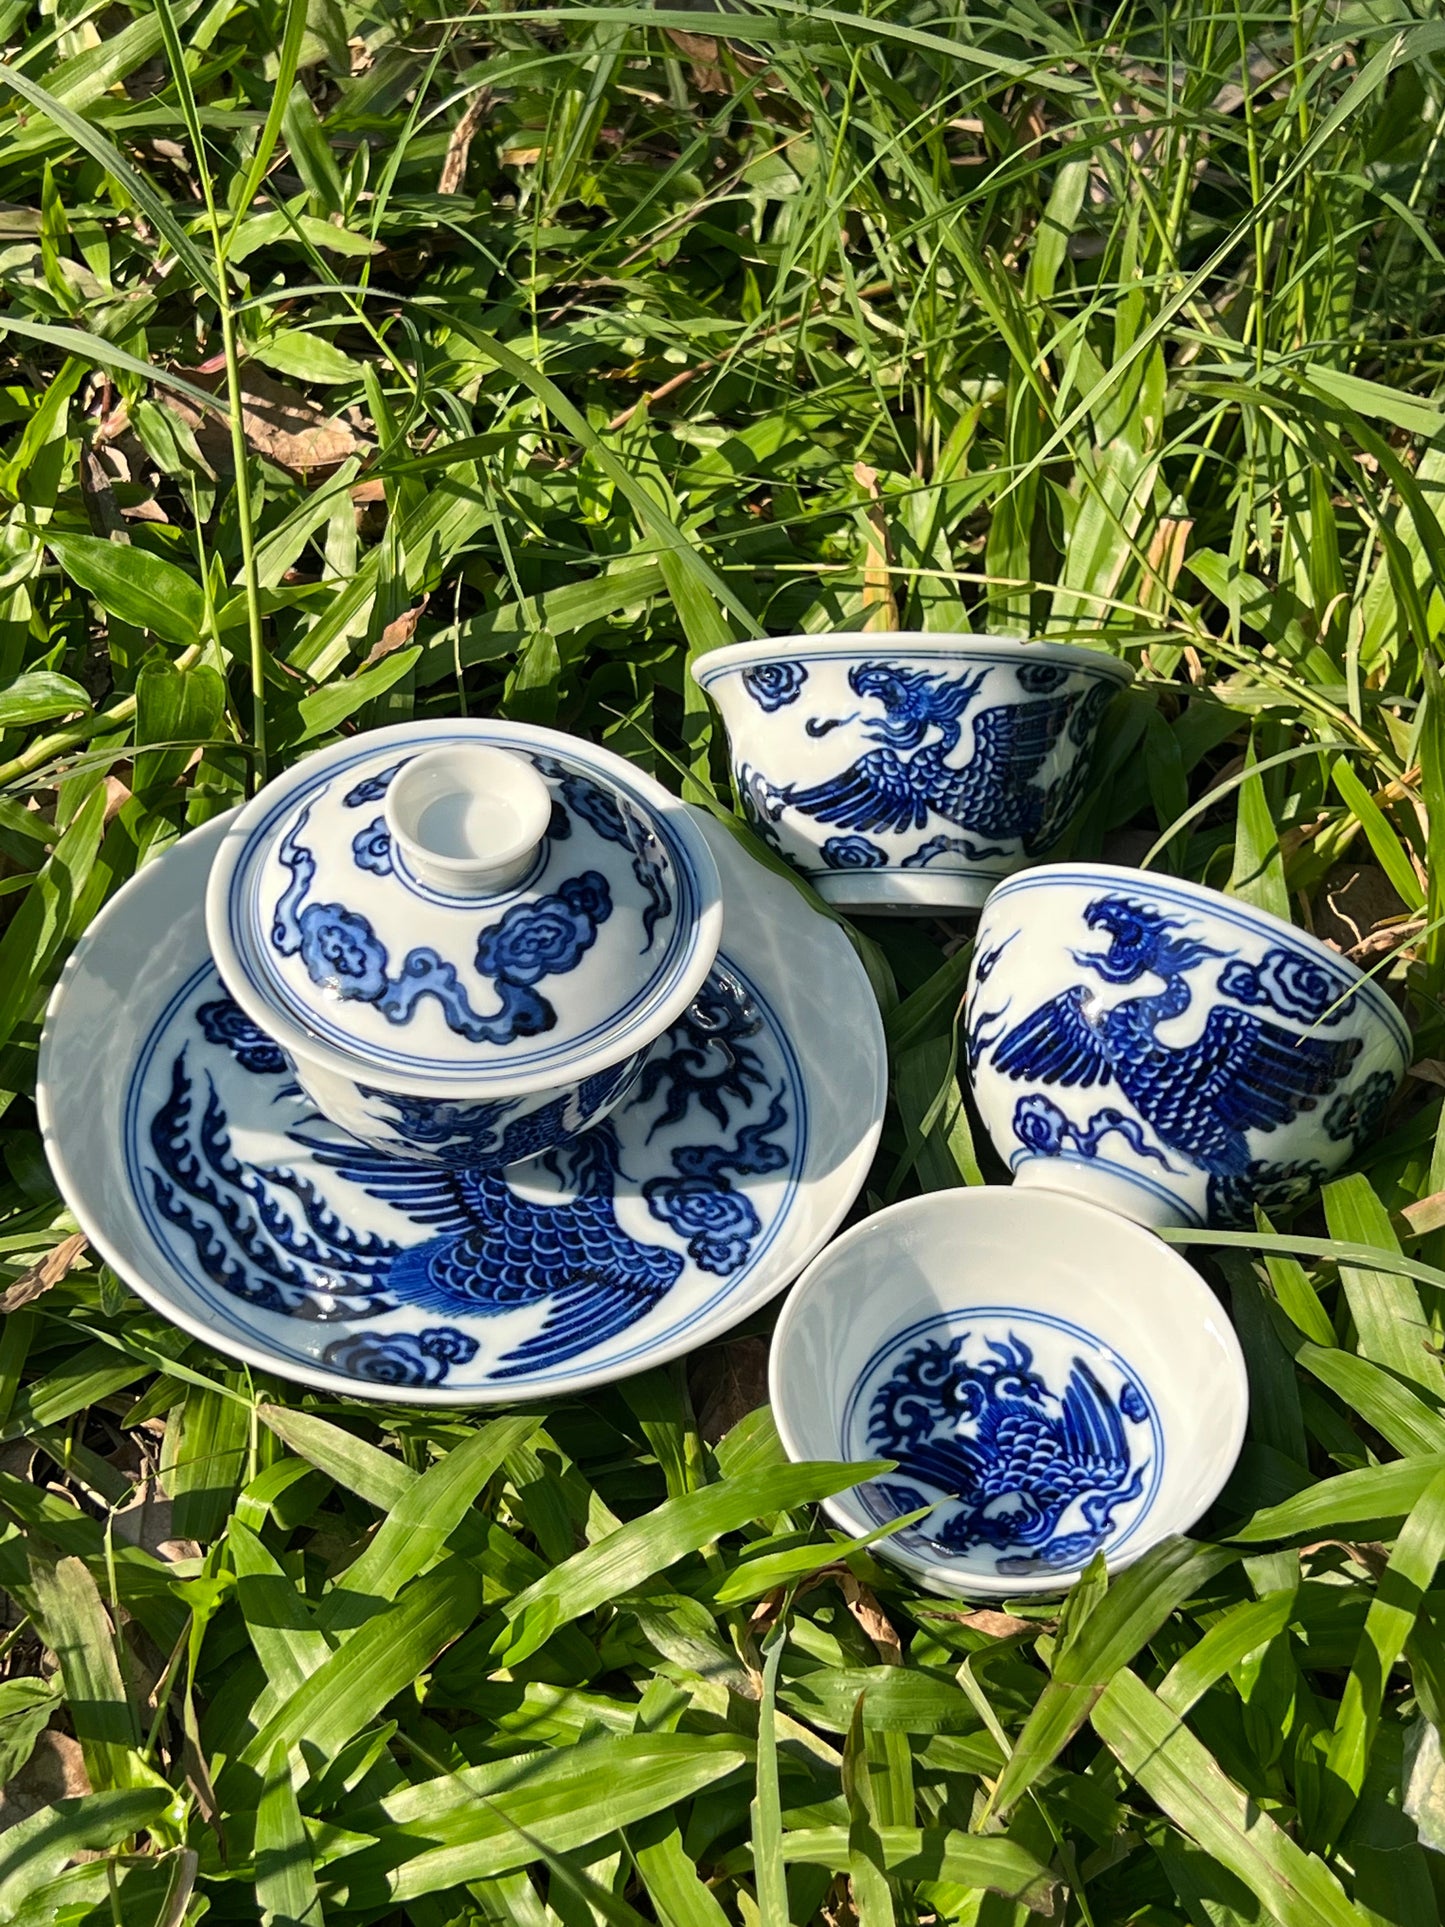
(1167, 1051)
(465, 936)
(1045, 1380)
(902, 773)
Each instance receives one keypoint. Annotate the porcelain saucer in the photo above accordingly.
(211, 1184)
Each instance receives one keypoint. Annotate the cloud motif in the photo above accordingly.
(1290, 982)
(371, 848)
(852, 853)
(773, 685)
(401, 1358)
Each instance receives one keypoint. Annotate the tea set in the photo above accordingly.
(474, 1066)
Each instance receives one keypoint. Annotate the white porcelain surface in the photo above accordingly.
(206, 1179)
(903, 773)
(1053, 1378)
(1171, 1052)
(564, 913)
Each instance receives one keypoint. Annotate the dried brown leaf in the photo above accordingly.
(117, 795)
(101, 509)
(183, 1884)
(878, 596)
(1368, 1553)
(697, 46)
(1354, 900)
(1391, 937)
(707, 71)
(193, 1759)
(397, 633)
(41, 1276)
(54, 1771)
(996, 1625)
(1165, 559)
(280, 423)
(454, 167)
(147, 1522)
(1426, 1214)
(18, 223)
(864, 1607)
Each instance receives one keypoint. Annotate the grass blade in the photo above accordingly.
(285, 1876)
(78, 1631)
(1187, 1782)
(766, 1813)
(1130, 1613)
(1393, 1612)
(649, 1545)
(114, 163)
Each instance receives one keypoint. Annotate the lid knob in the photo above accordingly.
(467, 819)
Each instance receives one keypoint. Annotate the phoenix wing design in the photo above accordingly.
(1058, 1044)
(1243, 1073)
(994, 793)
(1091, 1433)
(878, 792)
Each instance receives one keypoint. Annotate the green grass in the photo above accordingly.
(1117, 325)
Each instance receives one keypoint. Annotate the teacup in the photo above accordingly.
(1167, 1051)
(1050, 1379)
(909, 772)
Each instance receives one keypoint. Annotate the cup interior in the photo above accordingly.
(1052, 1379)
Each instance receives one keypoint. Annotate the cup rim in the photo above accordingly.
(1215, 903)
(1176, 1275)
(943, 646)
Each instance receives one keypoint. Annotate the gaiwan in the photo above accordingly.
(464, 936)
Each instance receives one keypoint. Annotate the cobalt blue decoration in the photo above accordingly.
(993, 794)
(281, 1237)
(505, 1130)
(545, 937)
(1356, 1114)
(1040, 1125)
(372, 848)
(773, 685)
(1041, 678)
(349, 907)
(222, 1021)
(622, 825)
(372, 788)
(401, 1358)
(1243, 1073)
(1291, 983)
(944, 846)
(1038, 1471)
(1235, 1069)
(909, 771)
(853, 853)
(711, 1058)
(700, 1204)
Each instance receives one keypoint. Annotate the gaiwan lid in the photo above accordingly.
(470, 907)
